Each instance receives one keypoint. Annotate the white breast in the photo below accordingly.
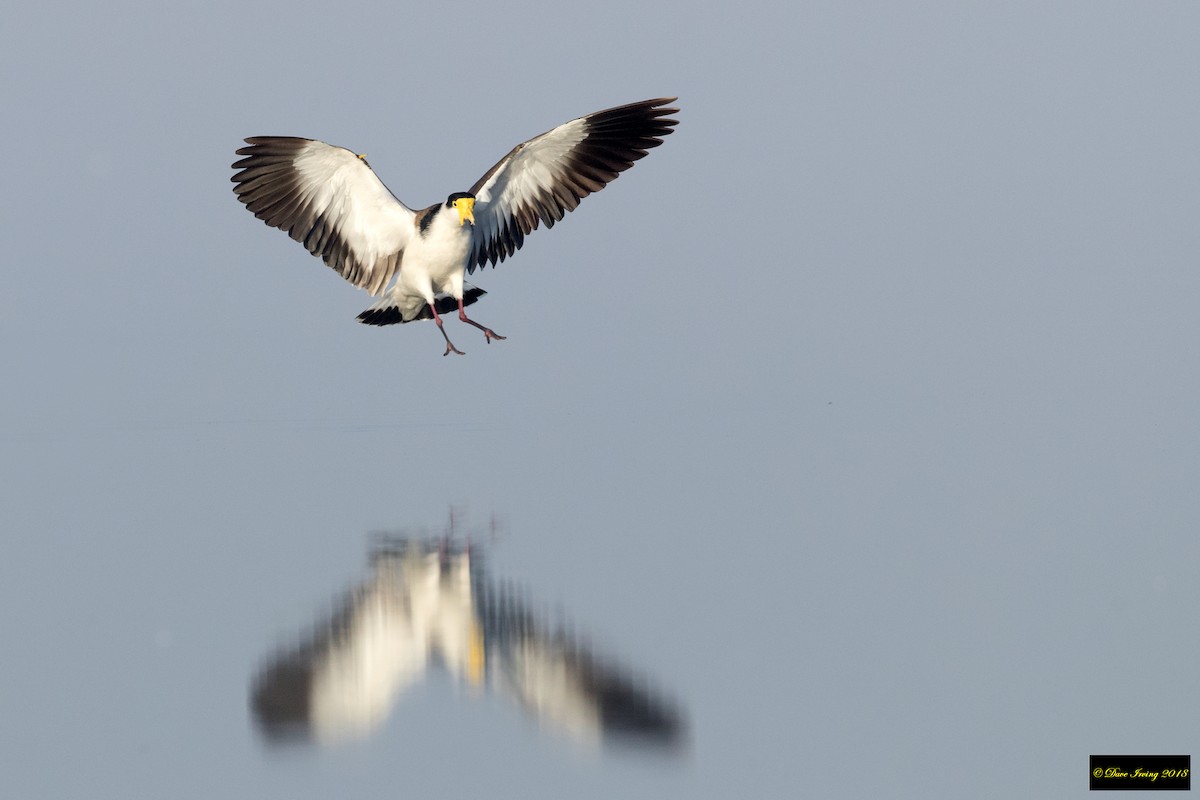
(434, 262)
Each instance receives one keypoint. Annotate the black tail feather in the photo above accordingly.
(391, 315)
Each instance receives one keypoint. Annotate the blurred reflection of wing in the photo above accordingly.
(568, 688)
(342, 682)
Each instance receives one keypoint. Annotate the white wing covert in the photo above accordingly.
(542, 179)
(329, 200)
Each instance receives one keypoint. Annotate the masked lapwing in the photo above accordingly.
(330, 200)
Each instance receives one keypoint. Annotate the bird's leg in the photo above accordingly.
(488, 333)
(449, 344)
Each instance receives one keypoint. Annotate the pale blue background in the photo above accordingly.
(862, 415)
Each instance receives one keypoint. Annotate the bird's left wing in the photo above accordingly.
(567, 687)
(329, 200)
(542, 179)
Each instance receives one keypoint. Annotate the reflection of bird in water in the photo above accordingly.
(566, 686)
(342, 682)
(424, 603)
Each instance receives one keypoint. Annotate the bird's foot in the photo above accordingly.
(488, 333)
(450, 348)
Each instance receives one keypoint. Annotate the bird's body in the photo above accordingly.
(434, 264)
(330, 200)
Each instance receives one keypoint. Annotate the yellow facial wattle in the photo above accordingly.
(465, 206)
(475, 656)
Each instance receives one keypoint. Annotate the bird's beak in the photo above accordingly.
(466, 210)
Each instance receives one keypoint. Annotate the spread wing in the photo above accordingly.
(342, 682)
(329, 200)
(545, 177)
(567, 687)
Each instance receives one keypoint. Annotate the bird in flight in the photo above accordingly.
(330, 200)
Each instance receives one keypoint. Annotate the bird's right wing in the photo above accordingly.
(341, 683)
(329, 200)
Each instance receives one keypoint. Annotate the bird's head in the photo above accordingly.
(464, 204)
